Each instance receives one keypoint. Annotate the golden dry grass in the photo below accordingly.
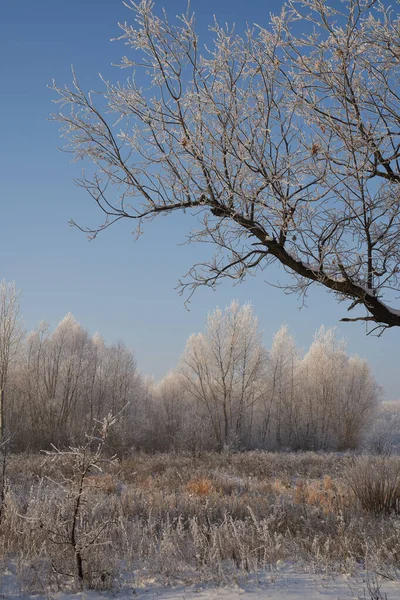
(200, 487)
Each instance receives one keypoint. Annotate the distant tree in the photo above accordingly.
(67, 379)
(223, 370)
(357, 405)
(280, 406)
(383, 436)
(169, 411)
(123, 396)
(55, 369)
(95, 387)
(11, 335)
(285, 146)
(337, 396)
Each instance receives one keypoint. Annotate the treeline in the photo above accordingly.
(64, 381)
(227, 391)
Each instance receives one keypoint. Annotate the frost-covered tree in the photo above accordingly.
(11, 335)
(224, 369)
(279, 404)
(96, 378)
(384, 435)
(124, 394)
(55, 368)
(285, 145)
(67, 379)
(357, 405)
(337, 395)
(170, 411)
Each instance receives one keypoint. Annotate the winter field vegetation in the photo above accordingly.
(219, 518)
(241, 463)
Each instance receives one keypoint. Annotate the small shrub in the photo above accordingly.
(375, 481)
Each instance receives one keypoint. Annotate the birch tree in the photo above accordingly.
(223, 369)
(285, 147)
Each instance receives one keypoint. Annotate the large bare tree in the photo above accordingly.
(285, 145)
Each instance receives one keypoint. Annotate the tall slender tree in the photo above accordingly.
(11, 334)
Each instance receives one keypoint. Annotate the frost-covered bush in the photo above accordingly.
(375, 482)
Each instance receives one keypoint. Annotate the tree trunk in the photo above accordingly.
(1, 414)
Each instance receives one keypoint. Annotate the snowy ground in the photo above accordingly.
(283, 584)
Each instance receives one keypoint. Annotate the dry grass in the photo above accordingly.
(105, 482)
(210, 520)
(330, 495)
(200, 487)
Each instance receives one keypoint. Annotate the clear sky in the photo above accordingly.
(122, 289)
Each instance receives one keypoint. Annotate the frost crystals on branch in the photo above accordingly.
(286, 147)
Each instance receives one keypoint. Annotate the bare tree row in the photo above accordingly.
(61, 381)
(227, 391)
(236, 394)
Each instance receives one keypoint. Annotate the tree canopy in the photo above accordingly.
(284, 141)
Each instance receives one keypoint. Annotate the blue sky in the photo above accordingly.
(122, 289)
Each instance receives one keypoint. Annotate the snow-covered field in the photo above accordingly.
(283, 583)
